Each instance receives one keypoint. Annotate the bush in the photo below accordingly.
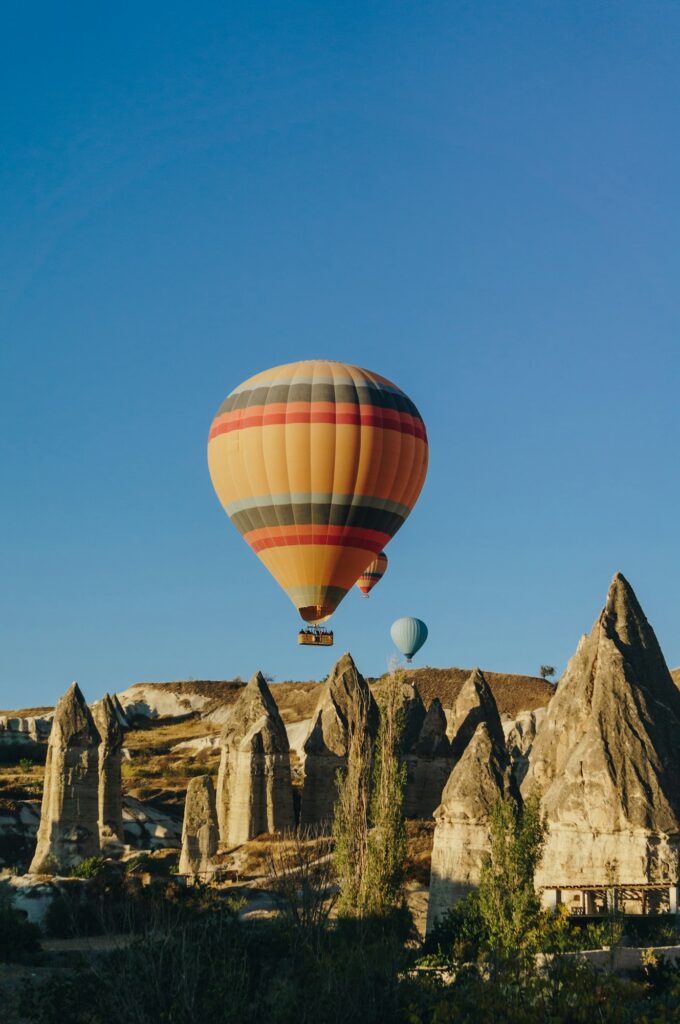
(91, 867)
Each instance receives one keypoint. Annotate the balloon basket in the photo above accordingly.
(315, 636)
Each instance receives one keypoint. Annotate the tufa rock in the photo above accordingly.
(520, 734)
(428, 764)
(474, 704)
(482, 776)
(345, 701)
(123, 720)
(110, 784)
(254, 789)
(200, 833)
(69, 828)
(606, 757)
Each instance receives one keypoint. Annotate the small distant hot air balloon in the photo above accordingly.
(408, 635)
(372, 574)
(317, 464)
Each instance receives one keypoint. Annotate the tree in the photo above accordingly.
(387, 838)
(368, 823)
(508, 903)
(547, 671)
(350, 818)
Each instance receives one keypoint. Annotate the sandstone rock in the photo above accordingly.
(123, 721)
(69, 829)
(24, 736)
(413, 710)
(110, 784)
(428, 764)
(474, 704)
(200, 832)
(148, 827)
(345, 699)
(254, 789)
(606, 757)
(520, 734)
(481, 777)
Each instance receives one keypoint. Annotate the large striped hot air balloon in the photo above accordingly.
(372, 574)
(317, 464)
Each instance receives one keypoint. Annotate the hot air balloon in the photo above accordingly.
(317, 464)
(372, 574)
(408, 635)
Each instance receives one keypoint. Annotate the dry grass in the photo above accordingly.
(513, 693)
(296, 701)
(16, 784)
(676, 676)
(159, 735)
(28, 712)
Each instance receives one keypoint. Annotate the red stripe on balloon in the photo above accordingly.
(389, 419)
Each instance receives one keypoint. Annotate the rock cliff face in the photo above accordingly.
(24, 737)
(606, 758)
(200, 834)
(428, 764)
(482, 775)
(69, 829)
(344, 699)
(110, 784)
(254, 789)
(520, 734)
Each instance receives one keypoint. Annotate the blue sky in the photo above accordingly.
(478, 200)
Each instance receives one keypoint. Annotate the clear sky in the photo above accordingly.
(478, 200)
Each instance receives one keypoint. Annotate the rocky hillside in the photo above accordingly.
(296, 700)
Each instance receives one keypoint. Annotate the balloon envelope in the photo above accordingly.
(317, 464)
(372, 574)
(408, 635)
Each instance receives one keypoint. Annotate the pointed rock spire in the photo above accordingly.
(475, 703)
(606, 756)
(345, 701)
(432, 740)
(123, 720)
(255, 717)
(428, 764)
(481, 776)
(110, 784)
(254, 788)
(69, 830)
(200, 834)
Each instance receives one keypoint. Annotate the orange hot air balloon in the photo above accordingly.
(317, 464)
(372, 574)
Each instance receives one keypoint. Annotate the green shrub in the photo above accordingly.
(91, 867)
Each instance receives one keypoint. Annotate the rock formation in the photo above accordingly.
(24, 737)
(110, 784)
(254, 789)
(428, 764)
(69, 829)
(345, 700)
(606, 758)
(123, 720)
(200, 833)
(520, 734)
(482, 775)
(474, 704)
